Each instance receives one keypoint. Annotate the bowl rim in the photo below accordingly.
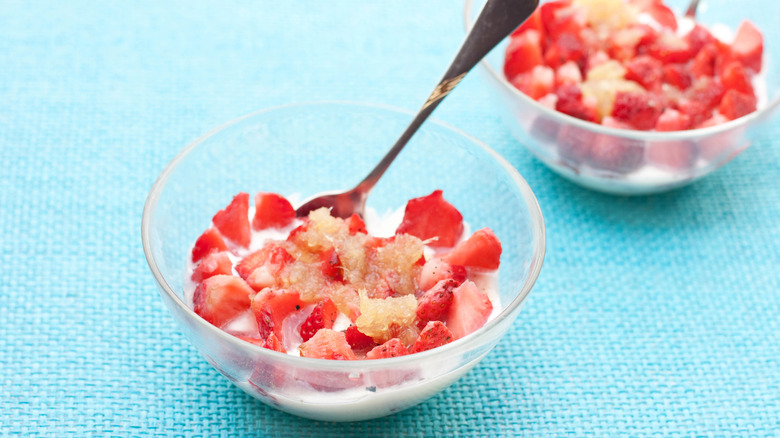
(760, 113)
(466, 343)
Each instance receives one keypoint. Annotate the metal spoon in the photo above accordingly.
(497, 20)
(691, 11)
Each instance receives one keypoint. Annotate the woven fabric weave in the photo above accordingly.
(653, 316)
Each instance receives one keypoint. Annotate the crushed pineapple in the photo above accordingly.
(384, 319)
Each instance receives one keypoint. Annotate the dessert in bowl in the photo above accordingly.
(629, 98)
(301, 150)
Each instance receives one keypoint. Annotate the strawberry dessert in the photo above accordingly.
(323, 287)
(633, 64)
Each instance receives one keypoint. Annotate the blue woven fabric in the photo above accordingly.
(653, 316)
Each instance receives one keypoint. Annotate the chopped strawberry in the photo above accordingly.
(221, 298)
(564, 48)
(640, 110)
(672, 154)
(272, 255)
(432, 217)
(523, 53)
(356, 225)
(357, 340)
(481, 250)
(574, 144)
(735, 77)
(663, 15)
(327, 344)
(272, 211)
(704, 62)
(560, 17)
(701, 99)
(271, 342)
(613, 154)
(322, 316)
(672, 120)
(215, 263)
(677, 75)
(434, 334)
(645, 70)
(736, 104)
(392, 348)
(209, 241)
(536, 83)
(469, 311)
(698, 37)
(331, 267)
(570, 102)
(669, 48)
(436, 269)
(534, 22)
(748, 45)
(233, 221)
(435, 302)
(271, 307)
(568, 73)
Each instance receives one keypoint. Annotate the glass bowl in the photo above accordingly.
(582, 151)
(301, 150)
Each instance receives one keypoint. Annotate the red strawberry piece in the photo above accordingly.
(392, 348)
(436, 269)
(614, 154)
(469, 311)
(574, 144)
(233, 221)
(735, 104)
(735, 77)
(570, 102)
(356, 225)
(331, 267)
(321, 316)
(706, 91)
(272, 211)
(272, 255)
(357, 339)
(271, 342)
(523, 53)
(435, 302)
(566, 47)
(209, 241)
(432, 217)
(645, 70)
(663, 15)
(536, 83)
(434, 334)
(704, 62)
(534, 22)
(327, 344)
(677, 75)
(481, 250)
(670, 48)
(698, 37)
(748, 46)
(216, 263)
(561, 17)
(568, 73)
(221, 298)
(271, 307)
(672, 154)
(672, 120)
(640, 110)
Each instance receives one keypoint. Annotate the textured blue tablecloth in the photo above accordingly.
(653, 316)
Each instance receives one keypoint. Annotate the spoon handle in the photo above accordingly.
(496, 21)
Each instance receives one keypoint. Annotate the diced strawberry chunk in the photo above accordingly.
(392, 348)
(672, 120)
(233, 221)
(564, 48)
(640, 110)
(736, 104)
(327, 344)
(272, 211)
(434, 334)
(534, 22)
(735, 77)
(678, 76)
(357, 339)
(617, 155)
(469, 311)
(670, 48)
(523, 53)
(215, 263)
(570, 102)
(435, 302)
(561, 17)
(331, 267)
(271, 307)
(481, 250)
(748, 46)
(568, 73)
(432, 217)
(698, 37)
(271, 342)
(536, 83)
(272, 255)
(221, 298)
(356, 225)
(209, 241)
(322, 316)
(701, 99)
(645, 70)
(703, 63)
(663, 15)
(436, 269)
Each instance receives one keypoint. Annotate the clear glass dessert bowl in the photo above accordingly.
(576, 149)
(301, 150)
